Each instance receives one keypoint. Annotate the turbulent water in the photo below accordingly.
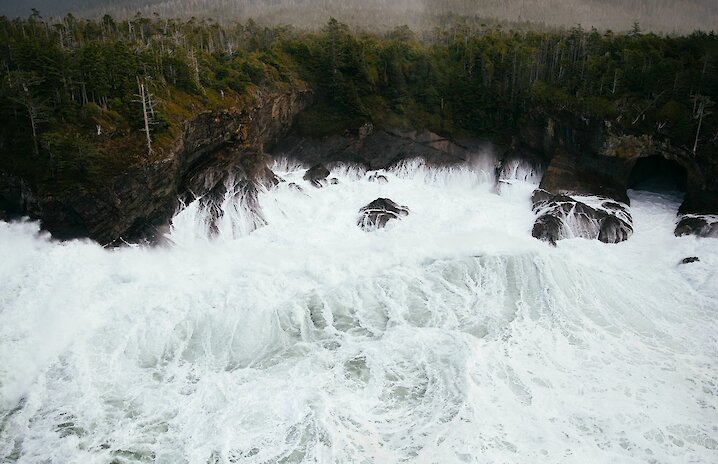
(292, 336)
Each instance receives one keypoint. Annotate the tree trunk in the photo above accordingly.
(143, 98)
(33, 123)
(700, 123)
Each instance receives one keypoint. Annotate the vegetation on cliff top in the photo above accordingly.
(76, 96)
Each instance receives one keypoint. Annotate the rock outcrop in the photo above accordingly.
(138, 204)
(702, 226)
(591, 157)
(560, 217)
(317, 175)
(379, 212)
(378, 178)
(380, 149)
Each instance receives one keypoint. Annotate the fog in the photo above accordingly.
(668, 16)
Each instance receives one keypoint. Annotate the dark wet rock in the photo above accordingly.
(317, 175)
(267, 178)
(333, 181)
(561, 216)
(692, 259)
(137, 204)
(211, 204)
(379, 212)
(548, 227)
(521, 163)
(588, 156)
(377, 149)
(295, 187)
(701, 226)
(614, 230)
(240, 191)
(378, 178)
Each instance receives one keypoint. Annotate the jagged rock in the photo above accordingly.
(560, 216)
(692, 259)
(701, 226)
(379, 212)
(267, 178)
(139, 202)
(239, 190)
(548, 228)
(317, 175)
(378, 178)
(590, 156)
(614, 230)
(211, 203)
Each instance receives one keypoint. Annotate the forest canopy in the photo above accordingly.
(81, 100)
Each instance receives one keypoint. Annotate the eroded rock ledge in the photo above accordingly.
(220, 150)
(139, 204)
(377, 149)
(589, 157)
(561, 216)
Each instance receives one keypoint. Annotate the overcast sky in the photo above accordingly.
(657, 15)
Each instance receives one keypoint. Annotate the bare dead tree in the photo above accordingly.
(146, 99)
(195, 67)
(34, 108)
(702, 105)
(648, 106)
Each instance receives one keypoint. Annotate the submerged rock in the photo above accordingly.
(701, 226)
(692, 259)
(379, 212)
(295, 187)
(378, 178)
(317, 175)
(560, 216)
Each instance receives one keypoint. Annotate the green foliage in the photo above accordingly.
(71, 157)
(75, 82)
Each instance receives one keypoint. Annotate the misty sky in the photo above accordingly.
(657, 15)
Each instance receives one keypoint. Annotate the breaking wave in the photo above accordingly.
(275, 330)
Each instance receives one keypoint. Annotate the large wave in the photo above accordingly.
(276, 330)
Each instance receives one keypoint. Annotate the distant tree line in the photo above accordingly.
(82, 100)
(666, 16)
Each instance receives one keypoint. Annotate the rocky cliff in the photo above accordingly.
(139, 203)
(578, 157)
(590, 157)
(378, 148)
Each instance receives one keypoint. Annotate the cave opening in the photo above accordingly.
(658, 174)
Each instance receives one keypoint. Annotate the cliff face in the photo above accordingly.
(589, 157)
(139, 203)
(583, 157)
(377, 149)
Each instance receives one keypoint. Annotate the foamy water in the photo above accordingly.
(451, 336)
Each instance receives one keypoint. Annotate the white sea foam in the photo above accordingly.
(451, 336)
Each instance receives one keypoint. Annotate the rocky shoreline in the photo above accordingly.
(577, 157)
